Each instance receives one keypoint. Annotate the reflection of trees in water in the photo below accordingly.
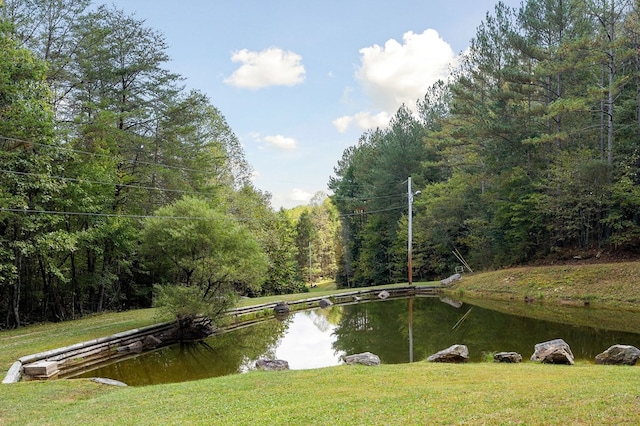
(220, 355)
(323, 319)
(373, 327)
(378, 327)
(383, 328)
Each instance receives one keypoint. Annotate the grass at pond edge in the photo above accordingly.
(417, 393)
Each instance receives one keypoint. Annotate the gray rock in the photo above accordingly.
(281, 308)
(553, 352)
(508, 357)
(272, 364)
(135, 347)
(325, 303)
(151, 341)
(450, 280)
(109, 382)
(619, 355)
(384, 294)
(365, 358)
(454, 353)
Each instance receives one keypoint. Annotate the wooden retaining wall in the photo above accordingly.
(75, 359)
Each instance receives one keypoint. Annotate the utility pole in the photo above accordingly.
(410, 233)
(410, 195)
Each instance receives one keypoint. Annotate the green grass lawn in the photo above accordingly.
(326, 285)
(404, 394)
(407, 394)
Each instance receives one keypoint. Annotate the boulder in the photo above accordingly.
(508, 357)
(619, 355)
(272, 364)
(450, 280)
(109, 382)
(325, 303)
(135, 347)
(455, 353)
(365, 358)
(384, 294)
(553, 352)
(151, 341)
(281, 308)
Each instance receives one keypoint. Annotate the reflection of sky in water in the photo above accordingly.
(308, 342)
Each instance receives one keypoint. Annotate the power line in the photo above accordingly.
(147, 163)
(124, 185)
(369, 198)
(371, 212)
(127, 216)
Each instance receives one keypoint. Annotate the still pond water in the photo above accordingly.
(398, 331)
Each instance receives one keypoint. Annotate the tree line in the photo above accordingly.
(117, 185)
(529, 151)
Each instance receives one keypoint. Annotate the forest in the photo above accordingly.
(119, 188)
(528, 153)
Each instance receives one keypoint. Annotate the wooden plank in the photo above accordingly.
(41, 369)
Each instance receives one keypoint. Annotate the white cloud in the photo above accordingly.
(300, 195)
(270, 67)
(293, 198)
(401, 73)
(281, 142)
(342, 123)
(364, 120)
(367, 120)
(397, 73)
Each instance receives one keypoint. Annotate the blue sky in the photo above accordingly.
(299, 80)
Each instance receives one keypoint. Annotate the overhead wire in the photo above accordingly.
(371, 212)
(95, 154)
(78, 180)
(124, 185)
(127, 216)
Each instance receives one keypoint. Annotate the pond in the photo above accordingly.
(398, 331)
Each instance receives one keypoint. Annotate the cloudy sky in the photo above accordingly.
(300, 80)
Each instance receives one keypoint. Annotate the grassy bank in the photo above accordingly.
(410, 394)
(612, 285)
(417, 393)
(599, 296)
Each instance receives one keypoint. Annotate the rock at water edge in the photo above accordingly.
(619, 355)
(365, 358)
(508, 357)
(272, 364)
(553, 352)
(454, 353)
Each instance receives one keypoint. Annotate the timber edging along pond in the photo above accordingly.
(75, 359)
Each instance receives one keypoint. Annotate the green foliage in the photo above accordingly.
(529, 151)
(201, 246)
(316, 234)
(186, 303)
(127, 141)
